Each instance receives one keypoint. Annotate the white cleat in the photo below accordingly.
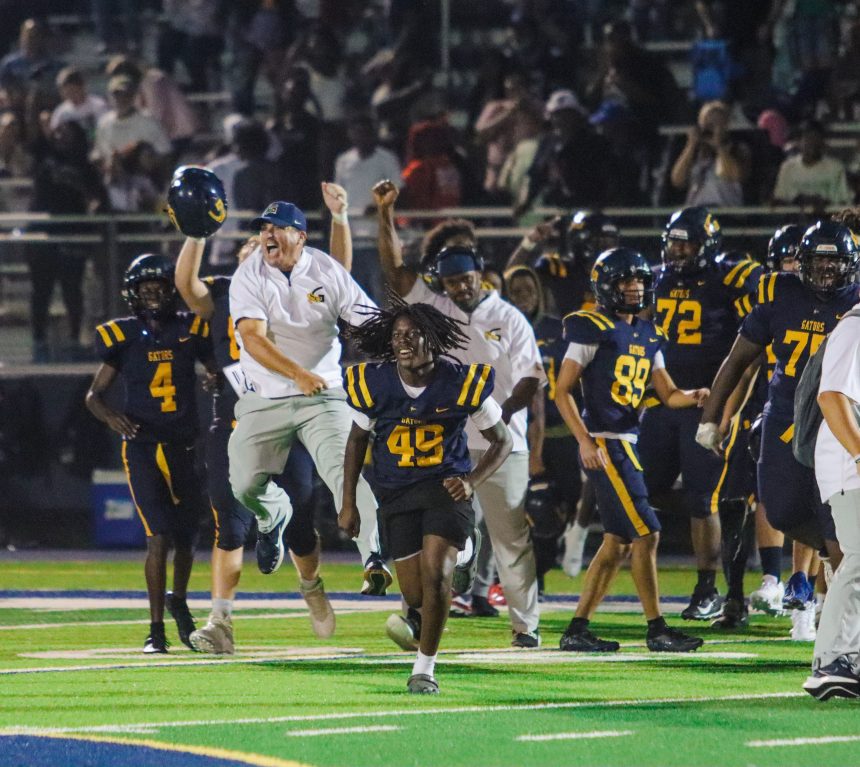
(215, 638)
(768, 597)
(319, 609)
(803, 623)
(574, 549)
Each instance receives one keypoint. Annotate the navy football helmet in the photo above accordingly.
(783, 246)
(543, 514)
(146, 268)
(691, 225)
(828, 256)
(619, 264)
(589, 233)
(196, 201)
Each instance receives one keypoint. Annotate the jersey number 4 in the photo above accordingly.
(161, 387)
(417, 445)
(631, 377)
(689, 330)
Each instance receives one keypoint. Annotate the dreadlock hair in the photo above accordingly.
(373, 337)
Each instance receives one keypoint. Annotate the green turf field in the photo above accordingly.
(75, 683)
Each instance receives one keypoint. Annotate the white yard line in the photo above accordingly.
(365, 714)
(574, 735)
(803, 741)
(342, 731)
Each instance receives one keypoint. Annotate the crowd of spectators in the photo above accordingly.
(542, 102)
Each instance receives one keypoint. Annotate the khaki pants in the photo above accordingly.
(260, 443)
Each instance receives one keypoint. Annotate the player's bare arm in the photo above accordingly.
(264, 351)
(340, 235)
(348, 519)
(119, 422)
(671, 396)
(590, 454)
(535, 434)
(193, 290)
(501, 443)
(397, 275)
(522, 395)
(742, 355)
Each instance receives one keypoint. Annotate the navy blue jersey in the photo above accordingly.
(158, 372)
(224, 344)
(614, 381)
(795, 320)
(569, 285)
(421, 438)
(549, 333)
(700, 314)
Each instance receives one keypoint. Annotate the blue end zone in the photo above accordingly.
(34, 751)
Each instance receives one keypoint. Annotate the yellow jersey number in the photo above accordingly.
(800, 339)
(631, 377)
(417, 445)
(689, 330)
(161, 387)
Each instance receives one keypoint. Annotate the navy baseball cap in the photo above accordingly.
(282, 214)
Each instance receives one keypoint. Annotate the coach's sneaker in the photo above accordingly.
(803, 623)
(464, 574)
(481, 608)
(798, 591)
(156, 642)
(704, 605)
(735, 616)
(585, 641)
(421, 684)
(461, 606)
(839, 679)
(768, 597)
(496, 595)
(270, 548)
(667, 639)
(319, 608)
(404, 632)
(216, 637)
(178, 609)
(527, 640)
(377, 577)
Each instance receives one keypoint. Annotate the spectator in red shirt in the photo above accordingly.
(431, 180)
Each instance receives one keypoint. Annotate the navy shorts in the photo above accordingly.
(165, 487)
(667, 444)
(787, 488)
(409, 513)
(233, 522)
(622, 497)
(738, 478)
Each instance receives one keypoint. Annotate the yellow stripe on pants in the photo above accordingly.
(621, 491)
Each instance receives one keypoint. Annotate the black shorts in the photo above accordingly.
(409, 513)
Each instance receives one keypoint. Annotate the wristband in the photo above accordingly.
(340, 218)
(528, 244)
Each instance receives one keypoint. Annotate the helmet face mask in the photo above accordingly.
(691, 241)
(825, 274)
(615, 267)
(782, 250)
(828, 257)
(148, 288)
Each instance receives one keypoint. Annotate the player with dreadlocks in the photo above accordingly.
(417, 401)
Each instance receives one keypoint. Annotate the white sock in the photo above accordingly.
(466, 554)
(424, 664)
(223, 608)
(768, 579)
(308, 585)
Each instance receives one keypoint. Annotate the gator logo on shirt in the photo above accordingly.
(493, 334)
(316, 296)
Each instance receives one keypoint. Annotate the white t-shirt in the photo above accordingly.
(301, 313)
(87, 114)
(357, 175)
(840, 372)
(113, 132)
(499, 335)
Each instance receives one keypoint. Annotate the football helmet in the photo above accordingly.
(146, 268)
(619, 264)
(196, 201)
(694, 225)
(783, 246)
(828, 255)
(543, 514)
(589, 233)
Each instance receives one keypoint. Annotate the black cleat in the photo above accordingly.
(671, 640)
(735, 616)
(703, 606)
(178, 609)
(481, 608)
(585, 641)
(270, 548)
(377, 577)
(529, 640)
(838, 679)
(156, 642)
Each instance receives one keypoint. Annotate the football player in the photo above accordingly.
(154, 352)
(417, 403)
(696, 305)
(794, 314)
(615, 353)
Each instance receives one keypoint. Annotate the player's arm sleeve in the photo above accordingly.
(362, 420)
(756, 326)
(488, 414)
(659, 362)
(358, 382)
(109, 340)
(582, 354)
(742, 277)
(246, 299)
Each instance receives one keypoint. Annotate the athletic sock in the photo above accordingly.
(707, 581)
(771, 560)
(577, 625)
(424, 664)
(656, 625)
(223, 608)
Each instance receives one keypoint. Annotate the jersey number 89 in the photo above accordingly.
(631, 377)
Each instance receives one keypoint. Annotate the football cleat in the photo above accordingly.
(215, 638)
(735, 616)
(178, 609)
(798, 591)
(703, 606)
(461, 607)
(585, 641)
(671, 640)
(482, 608)
(528, 640)
(574, 549)
(319, 609)
(803, 623)
(839, 679)
(377, 577)
(496, 595)
(464, 575)
(404, 632)
(270, 548)
(768, 596)
(156, 642)
(422, 684)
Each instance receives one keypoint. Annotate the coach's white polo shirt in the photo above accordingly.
(501, 336)
(301, 312)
